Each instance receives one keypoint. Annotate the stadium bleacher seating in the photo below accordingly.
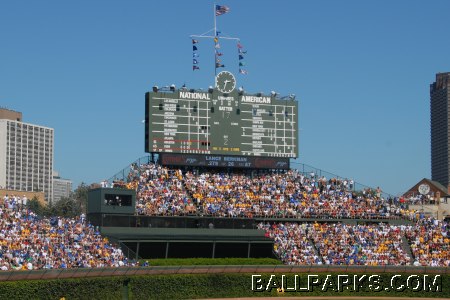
(29, 242)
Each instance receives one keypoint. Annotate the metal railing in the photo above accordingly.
(123, 174)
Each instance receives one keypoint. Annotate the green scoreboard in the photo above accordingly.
(220, 121)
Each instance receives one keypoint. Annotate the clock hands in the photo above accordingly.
(225, 83)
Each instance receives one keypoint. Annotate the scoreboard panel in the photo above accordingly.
(217, 123)
(224, 161)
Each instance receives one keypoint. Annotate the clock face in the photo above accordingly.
(225, 82)
(424, 189)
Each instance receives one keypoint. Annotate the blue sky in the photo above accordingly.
(360, 69)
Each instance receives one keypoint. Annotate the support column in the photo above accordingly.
(167, 249)
(137, 250)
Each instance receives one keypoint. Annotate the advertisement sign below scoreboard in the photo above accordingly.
(224, 161)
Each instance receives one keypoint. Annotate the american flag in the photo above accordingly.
(221, 9)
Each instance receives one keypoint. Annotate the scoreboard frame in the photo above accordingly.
(216, 123)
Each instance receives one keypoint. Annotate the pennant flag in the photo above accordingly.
(241, 51)
(240, 46)
(194, 48)
(216, 39)
(219, 54)
(241, 57)
(241, 64)
(218, 65)
(218, 32)
(217, 46)
(221, 9)
(194, 41)
(243, 72)
(217, 60)
(195, 68)
(195, 61)
(195, 55)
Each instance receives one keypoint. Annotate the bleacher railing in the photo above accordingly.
(123, 174)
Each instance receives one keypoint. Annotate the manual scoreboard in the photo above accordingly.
(221, 121)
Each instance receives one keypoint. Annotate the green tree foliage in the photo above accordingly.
(37, 207)
(66, 207)
(80, 196)
(75, 204)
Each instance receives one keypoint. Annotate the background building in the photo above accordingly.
(10, 114)
(440, 129)
(26, 155)
(61, 187)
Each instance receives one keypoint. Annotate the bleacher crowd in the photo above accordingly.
(29, 242)
(288, 194)
(291, 194)
(369, 244)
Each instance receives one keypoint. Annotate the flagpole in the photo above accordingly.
(215, 35)
(214, 14)
(218, 10)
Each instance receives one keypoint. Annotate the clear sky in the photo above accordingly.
(361, 71)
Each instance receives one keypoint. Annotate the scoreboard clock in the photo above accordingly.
(221, 121)
(225, 82)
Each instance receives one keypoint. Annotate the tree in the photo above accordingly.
(66, 207)
(37, 207)
(80, 196)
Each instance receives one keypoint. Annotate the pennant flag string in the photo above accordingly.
(194, 55)
(241, 56)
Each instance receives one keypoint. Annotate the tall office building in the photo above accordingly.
(26, 155)
(440, 128)
(61, 187)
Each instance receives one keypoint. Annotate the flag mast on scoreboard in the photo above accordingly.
(218, 11)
